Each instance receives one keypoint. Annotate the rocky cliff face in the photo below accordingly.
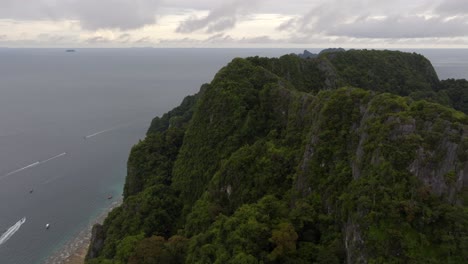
(97, 241)
(272, 162)
(381, 142)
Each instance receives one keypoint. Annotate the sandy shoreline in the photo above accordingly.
(74, 251)
(78, 256)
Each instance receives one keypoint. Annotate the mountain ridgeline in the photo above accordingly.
(345, 157)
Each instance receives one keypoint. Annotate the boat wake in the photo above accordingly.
(111, 129)
(12, 230)
(34, 164)
(24, 168)
(98, 133)
(54, 157)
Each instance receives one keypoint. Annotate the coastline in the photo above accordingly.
(79, 255)
(74, 251)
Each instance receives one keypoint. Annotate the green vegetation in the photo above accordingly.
(272, 162)
(457, 91)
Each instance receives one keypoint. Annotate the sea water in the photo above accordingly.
(69, 120)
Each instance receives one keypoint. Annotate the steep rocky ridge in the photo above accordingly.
(272, 162)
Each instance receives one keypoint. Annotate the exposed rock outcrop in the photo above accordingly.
(97, 241)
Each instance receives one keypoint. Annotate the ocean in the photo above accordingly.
(69, 119)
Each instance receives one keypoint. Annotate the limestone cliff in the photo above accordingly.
(286, 161)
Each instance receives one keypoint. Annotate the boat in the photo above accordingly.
(70, 50)
(47, 226)
(31, 191)
(109, 197)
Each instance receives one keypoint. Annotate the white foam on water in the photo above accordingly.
(12, 230)
(34, 164)
(111, 129)
(98, 133)
(23, 168)
(54, 157)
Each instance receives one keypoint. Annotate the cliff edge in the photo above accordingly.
(349, 157)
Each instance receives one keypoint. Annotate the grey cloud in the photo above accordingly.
(92, 14)
(259, 40)
(54, 39)
(321, 16)
(375, 19)
(41, 40)
(220, 38)
(401, 27)
(97, 40)
(121, 14)
(123, 38)
(126, 14)
(187, 4)
(453, 7)
(183, 41)
(428, 41)
(23, 9)
(219, 19)
(222, 24)
(143, 40)
(289, 24)
(51, 38)
(270, 6)
(329, 20)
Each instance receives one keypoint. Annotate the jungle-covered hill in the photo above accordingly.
(348, 157)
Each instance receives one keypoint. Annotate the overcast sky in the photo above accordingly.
(234, 23)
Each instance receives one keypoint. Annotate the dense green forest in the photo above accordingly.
(353, 156)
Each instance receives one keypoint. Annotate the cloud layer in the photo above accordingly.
(92, 14)
(219, 19)
(152, 22)
(376, 19)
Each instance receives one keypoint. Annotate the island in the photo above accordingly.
(357, 156)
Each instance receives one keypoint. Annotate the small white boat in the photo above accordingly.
(47, 226)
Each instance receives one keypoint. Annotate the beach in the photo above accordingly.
(75, 250)
(79, 255)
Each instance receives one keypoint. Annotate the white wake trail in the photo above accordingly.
(54, 157)
(12, 230)
(110, 129)
(24, 168)
(100, 132)
(34, 164)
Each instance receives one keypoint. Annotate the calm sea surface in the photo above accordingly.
(68, 121)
